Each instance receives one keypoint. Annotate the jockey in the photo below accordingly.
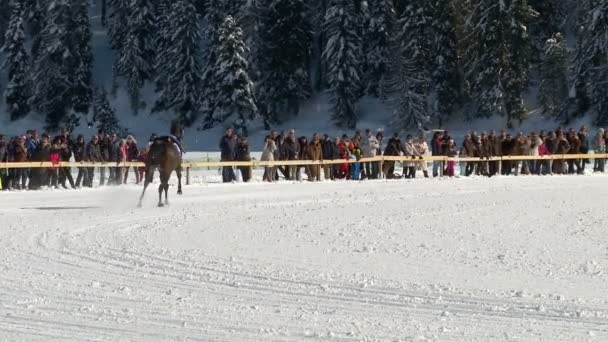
(170, 137)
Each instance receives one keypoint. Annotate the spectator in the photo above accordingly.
(437, 150)
(65, 173)
(451, 153)
(409, 167)
(335, 168)
(599, 147)
(543, 166)
(369, 146)
(227, 148)
(105, 147)
(79, 151)
(393, 148)
(303, 155)
(562, 147)
(355, 167)
(278, 155)
(39, 176)
(19, 180)
(583, 137)
(290, 152)
(92, 155)
(421, 148)
(242, 154)
(55, 159)
(315, 154)
(575, 148)
(327, 147)
(121, 158)
(268, 156)
(377, 166)
(132, 156)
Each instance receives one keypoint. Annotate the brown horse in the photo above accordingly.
(164, 156)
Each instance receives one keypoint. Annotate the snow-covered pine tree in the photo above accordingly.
(363, 22)
(136, 57)
(16, 64)
(412, 37)
(82, 57)
(517, 76)
(5, 14)
(215, 14)
(103, 114)
(287, 38)
(117, 32)
(51, 80)
(343, 61)
(316, 12)
(444, 60)
(553, 95)
(252, 19)
(182, 72)
(236, 96)
(35, 12)
(591, 64)
(404, 93)
(378, 46)
(550, 20)
(498, 57)
(163, 40)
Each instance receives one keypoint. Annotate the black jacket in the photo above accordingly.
(79, 152)
(242, 152)
(393, 148)
(290, 149)
(93, 152)
(327, 146)
(228, 148)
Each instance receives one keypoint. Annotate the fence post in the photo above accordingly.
(188, 175)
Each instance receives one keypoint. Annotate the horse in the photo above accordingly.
(165, 156)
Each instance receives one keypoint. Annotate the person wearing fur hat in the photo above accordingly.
(409, 167)
(393, 148)
(599, 147)
(421, 147)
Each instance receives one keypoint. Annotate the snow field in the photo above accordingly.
(505, 259)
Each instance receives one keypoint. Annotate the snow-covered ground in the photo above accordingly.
(505, 259)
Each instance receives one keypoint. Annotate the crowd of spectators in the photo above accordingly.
(287, 146)
(101, 147)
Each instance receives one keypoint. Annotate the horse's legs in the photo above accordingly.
(179, 180)
(149, 176)
(166, 185)
(160, 189)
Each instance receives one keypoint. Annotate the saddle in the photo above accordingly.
(173, 139)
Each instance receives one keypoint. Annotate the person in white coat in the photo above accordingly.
(268, 155)
(409, 167)
(422, 148)
(369, 147)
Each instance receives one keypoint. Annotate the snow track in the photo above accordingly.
(518, 259)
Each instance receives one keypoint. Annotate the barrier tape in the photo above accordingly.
(255, 163)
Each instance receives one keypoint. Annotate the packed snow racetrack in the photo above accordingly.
(507, 259)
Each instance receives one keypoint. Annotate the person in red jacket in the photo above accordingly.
(132, 156)
(55, 159)
(544, 166)
(121, 157)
